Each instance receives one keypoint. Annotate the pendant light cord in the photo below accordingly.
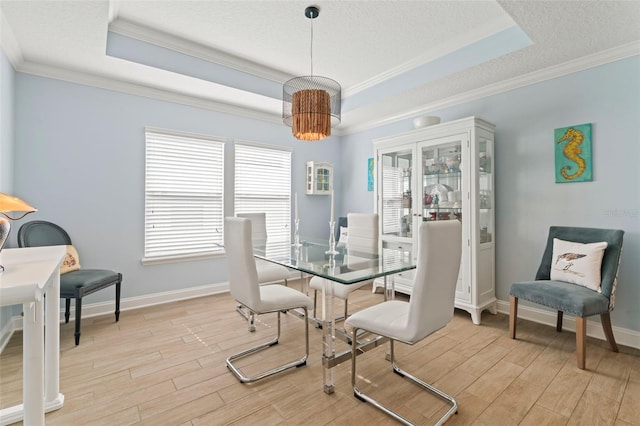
(312, 17)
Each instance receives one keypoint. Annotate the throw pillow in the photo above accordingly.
(342, 238)
(71, 261)
(577, 263)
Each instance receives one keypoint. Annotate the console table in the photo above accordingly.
(29, 274)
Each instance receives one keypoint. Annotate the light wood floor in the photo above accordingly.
(164, 365)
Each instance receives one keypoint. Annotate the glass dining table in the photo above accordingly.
(340, 266)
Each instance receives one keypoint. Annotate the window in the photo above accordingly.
(184, 187)
(263, 184)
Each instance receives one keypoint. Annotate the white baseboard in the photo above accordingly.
(623, 336)
(127, 304)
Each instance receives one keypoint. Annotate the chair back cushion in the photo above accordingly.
(258, 227)
(362, 231)
(243, 276)
(41, 233)
(610, 260)
(432, 300)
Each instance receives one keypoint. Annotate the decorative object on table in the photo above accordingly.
(332, 234)
(311, 104)
(74, 284)
(364, 235)
(370, 169)
(296, 235)
(424, 121)
(319, 178)
(8, 204)
(573, 153)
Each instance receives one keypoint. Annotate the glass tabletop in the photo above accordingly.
(348, 266)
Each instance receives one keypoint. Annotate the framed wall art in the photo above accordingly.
(573, 153)
(370, 174)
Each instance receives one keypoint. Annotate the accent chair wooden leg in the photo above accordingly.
(559, 322)
(67, 309)
(118, 285)
(605, 319)
(78, 316)
(581, 341)
(513, 316)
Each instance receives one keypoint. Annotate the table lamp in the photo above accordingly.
(8, 204)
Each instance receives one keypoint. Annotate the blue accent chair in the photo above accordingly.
(74, 284)
(571, 298)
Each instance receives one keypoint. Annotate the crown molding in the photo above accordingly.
(569, 67)
(9, 43)
(576, 65)
(108, 83)
(162, 39)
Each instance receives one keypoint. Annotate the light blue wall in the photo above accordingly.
(80, 161)
(79, 158)
(528, 200)
(7, 77)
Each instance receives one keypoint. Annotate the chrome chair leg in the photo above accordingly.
(295, 363)
(365, 398)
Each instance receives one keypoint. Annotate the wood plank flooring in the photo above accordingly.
(165, 365)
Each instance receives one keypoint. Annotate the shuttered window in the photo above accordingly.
(184, 194)
(263, 184)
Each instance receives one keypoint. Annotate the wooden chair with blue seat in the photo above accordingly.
(75, 284)
(582, 299)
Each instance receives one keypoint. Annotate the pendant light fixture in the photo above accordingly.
(311, 104)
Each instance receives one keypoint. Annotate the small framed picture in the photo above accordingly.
(573, 153)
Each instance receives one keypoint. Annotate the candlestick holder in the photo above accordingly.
(332, 239)
(296, 234)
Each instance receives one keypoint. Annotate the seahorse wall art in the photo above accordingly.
(573, 153)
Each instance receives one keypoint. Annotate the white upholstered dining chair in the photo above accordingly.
(268, 272)
(257, 299)
(362, 234)
(430, 308)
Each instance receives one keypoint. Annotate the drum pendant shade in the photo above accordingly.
(311, 104)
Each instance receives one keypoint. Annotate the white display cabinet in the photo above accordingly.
(319, 178)
(442, 172)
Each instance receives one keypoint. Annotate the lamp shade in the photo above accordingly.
(311, 106)
(9, 203)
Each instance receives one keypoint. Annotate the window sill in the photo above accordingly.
(182, 258)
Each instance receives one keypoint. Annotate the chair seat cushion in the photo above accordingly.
(341, 291)
(562, 296)
(387, 319)
(87, 279)
(276, 297)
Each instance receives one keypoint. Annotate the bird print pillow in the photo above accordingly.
(577, 263)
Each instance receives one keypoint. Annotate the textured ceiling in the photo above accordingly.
(394, 59)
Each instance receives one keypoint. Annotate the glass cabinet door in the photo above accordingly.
(485, 189)
(396, 204)
(442, 181)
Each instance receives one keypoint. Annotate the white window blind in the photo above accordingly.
(184, 186)
(263, 184)
(392, 199)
